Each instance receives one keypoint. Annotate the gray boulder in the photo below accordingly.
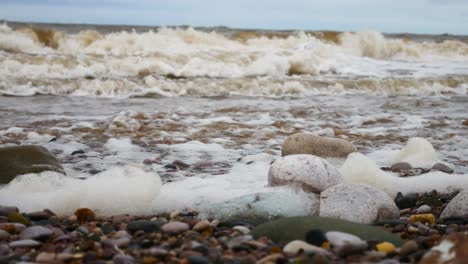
(303, 143)
(20, 160)
(458, 206)
(358, 203)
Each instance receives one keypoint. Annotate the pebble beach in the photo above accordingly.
(218, 145)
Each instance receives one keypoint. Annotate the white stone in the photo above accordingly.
(423, 209)
(295, 246)
(175, 227)
(458, 206)
(344, 243)
(358, 203)
(244, 230)
(311, 173)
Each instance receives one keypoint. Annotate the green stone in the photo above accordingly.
(293, 228)
(20, 160)
(15, 217)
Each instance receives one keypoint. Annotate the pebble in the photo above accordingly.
(15, 217)
(123, 259)
(406, 201)
(244, 230)
(442, 167)
(175, 227)
(85, 214)
(6, 210)
(143, 225)
(202, 225)
(198, 260)
(4, 235)
(408, 247)
(38, 216)
(423, 218)
(12, 227)
(36, 233)
(424, 209)
(344, 244)
(174, 214)
(46, 257)
(25, 243)
(401, 166)
(296, 246)
(385, 247)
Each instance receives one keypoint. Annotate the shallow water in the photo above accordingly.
(222, 105)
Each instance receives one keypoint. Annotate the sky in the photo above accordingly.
(391, 16)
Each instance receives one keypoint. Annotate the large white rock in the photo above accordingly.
(458, 206)
(358, 203)
(311, 173)
(304, 143)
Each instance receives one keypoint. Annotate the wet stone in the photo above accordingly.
(198, 260)
(406, 201)
(175, 227)
(6, 210)
(123, 259)
(143, 225)
(442, 167)
(24, 243)
(401, 166)
(36, 233)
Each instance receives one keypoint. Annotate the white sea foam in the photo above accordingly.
(360, 169)
(418, 152)
(118, 190)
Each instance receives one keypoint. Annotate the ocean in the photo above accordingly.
(220, 102)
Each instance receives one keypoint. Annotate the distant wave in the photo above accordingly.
(172, 61)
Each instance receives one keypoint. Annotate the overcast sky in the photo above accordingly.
(414, 16)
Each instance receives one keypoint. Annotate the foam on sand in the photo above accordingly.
(119, 190)
(360, 169)
(418, 152)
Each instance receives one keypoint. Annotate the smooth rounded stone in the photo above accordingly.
(311, 173)
(244, 230)
(401, 166)
(258, 208)
(143, 225)
(303, 143)
(4, 235)
(36, 233)
(19, 160)
(296, 246)
(442, 167)
(458, 206)
(202, 225)
(15, 217)
(6, 210)
(358, 203)
(408, 247)
(424, 209)
(38, 216)
(123, 259)
(25, 243)
(406, 201)
(294, 228)
(45, 257)
(344, 244)
(12, 227)
(174, 214)
(198, 260)
(175, 227)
